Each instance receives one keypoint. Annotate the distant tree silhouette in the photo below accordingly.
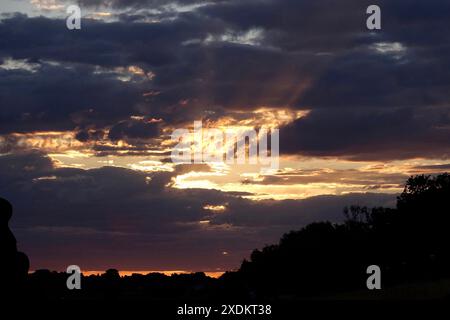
(410, 242)
(111, 275)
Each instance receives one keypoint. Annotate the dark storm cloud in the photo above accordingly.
(21, 167)
(435, 167)
(307, 26)
(372, 78)
(56, 98)
(100, 43)
(370, 133)
(142, 3)
(370, 92)
(134, 129)
(116, 214)
(347, 176)
(330, 26)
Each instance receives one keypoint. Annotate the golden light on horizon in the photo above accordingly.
(127, 273)
(215, 208)
(151, 166)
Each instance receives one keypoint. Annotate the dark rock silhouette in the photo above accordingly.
(14, 264)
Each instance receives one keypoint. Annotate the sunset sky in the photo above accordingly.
(86, 118)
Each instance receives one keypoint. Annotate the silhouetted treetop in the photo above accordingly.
(411, 241)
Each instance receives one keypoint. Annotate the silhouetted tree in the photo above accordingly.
(410, 242)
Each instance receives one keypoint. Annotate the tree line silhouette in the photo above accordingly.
(410, 243)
